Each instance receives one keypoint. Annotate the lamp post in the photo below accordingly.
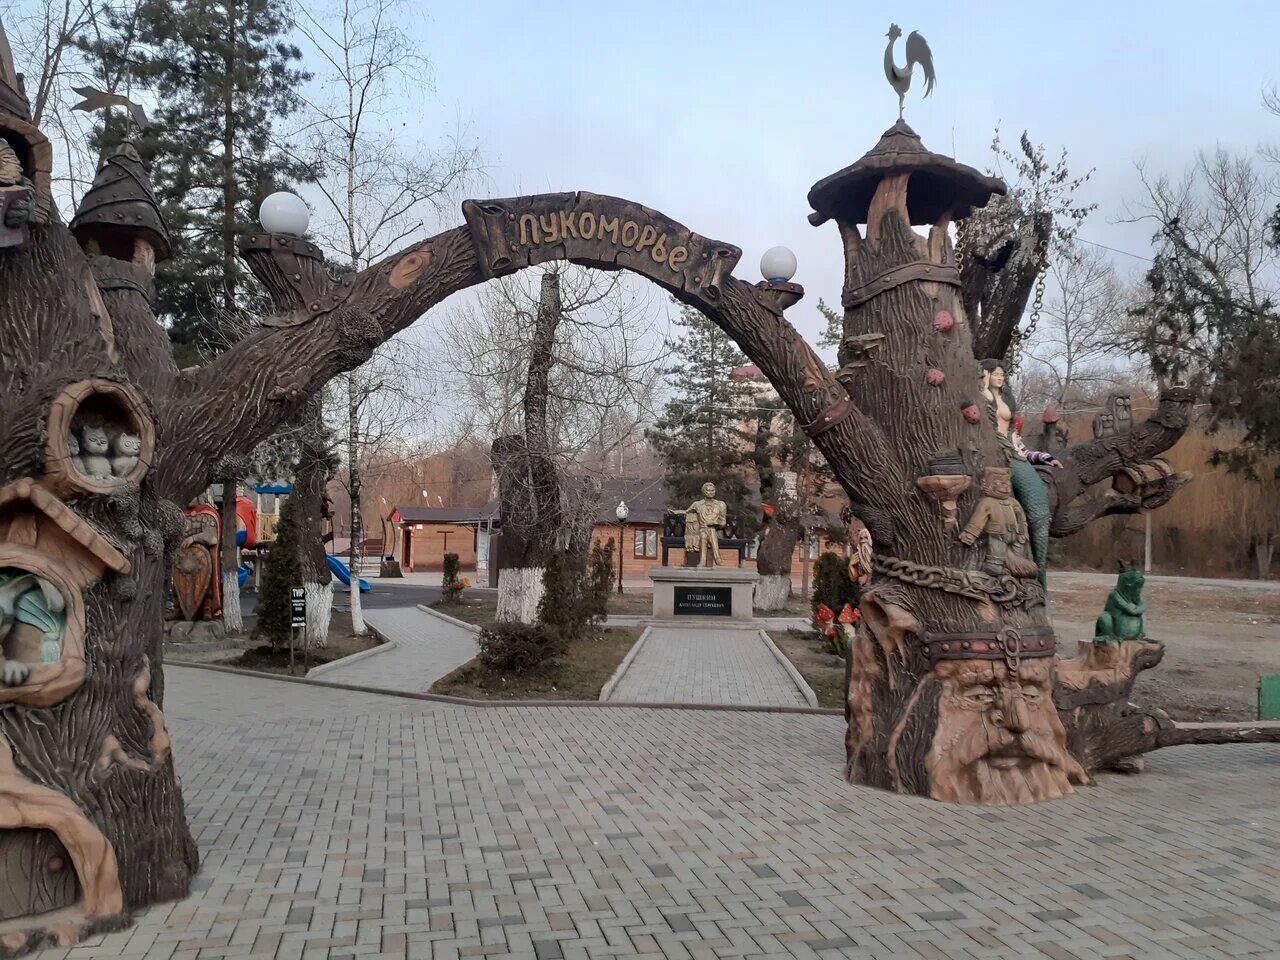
(621, 512)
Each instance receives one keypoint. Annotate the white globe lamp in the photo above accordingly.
(283, 212)
(778, 265)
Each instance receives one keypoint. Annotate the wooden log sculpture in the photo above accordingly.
(952, 667)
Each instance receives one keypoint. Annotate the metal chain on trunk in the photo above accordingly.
(1013, 357)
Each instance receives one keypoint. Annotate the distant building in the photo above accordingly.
(421, 536)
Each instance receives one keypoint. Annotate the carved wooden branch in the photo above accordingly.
(997, 280)
(1093, 461)
(236, 401)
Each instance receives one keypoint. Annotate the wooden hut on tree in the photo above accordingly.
(92, 824)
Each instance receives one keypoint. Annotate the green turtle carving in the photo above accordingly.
(1124, 617)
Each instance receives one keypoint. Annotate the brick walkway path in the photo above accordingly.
(694, 664)
(339, 825)
(426, 649)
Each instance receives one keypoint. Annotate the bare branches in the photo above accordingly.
(46, 46)
(1007, 243)
(604, 378)
(1082, 331)
(377, 191)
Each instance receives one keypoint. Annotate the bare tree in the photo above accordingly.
(561, 381)
(47, 46)
(1208, 314)
(603, 382)
(1076, 348)
(376, 194)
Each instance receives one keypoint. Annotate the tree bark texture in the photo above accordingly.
(531, 509)
(228, 554)
(357, 517)
(783, 528)
(997, 278)
(92, 768)
(310, 479)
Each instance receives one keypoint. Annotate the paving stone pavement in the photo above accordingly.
(696, 664)
(427, 648)
(337, 825)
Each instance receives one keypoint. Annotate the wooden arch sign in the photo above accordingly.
(598, 231)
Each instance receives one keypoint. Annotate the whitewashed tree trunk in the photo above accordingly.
(232, 616)
(519, 593)
(319, 613)
(772, 591)
(358, 626)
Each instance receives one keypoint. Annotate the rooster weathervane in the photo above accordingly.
(918, 52)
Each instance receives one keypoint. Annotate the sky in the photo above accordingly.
(722, 115)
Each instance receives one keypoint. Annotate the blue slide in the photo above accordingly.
(343, 573)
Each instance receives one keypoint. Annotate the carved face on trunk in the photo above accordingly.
(999, 739)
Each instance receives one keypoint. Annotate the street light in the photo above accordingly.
(778, 265)
(283, 212)
(621, 512)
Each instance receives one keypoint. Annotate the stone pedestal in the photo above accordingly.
(710, 592)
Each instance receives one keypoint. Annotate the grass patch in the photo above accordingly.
(635, 602)
(823, 671)
(470, 611)
(578, 674)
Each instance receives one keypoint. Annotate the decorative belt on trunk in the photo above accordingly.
(895, 277)
(1010, 644)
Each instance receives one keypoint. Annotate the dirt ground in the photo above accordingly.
(250, 654)
(1219, 638)
(579, 674)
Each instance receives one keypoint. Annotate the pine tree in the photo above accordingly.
(702, 434)
(282, 572)
(222, 76)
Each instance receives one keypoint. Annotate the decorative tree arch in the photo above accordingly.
(944, 641)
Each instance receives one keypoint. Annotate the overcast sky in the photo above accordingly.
(723, 114)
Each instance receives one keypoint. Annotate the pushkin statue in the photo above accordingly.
(1124, 617)
(703, 522)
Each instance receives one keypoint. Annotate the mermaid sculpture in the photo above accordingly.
(1027, 485)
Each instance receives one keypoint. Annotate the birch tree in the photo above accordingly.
(375, 191)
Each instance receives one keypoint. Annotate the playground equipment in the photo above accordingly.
(343, 573)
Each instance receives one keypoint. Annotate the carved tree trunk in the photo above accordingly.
(907, 729)
(84, 756)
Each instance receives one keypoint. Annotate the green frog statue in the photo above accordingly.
(1124, 617)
